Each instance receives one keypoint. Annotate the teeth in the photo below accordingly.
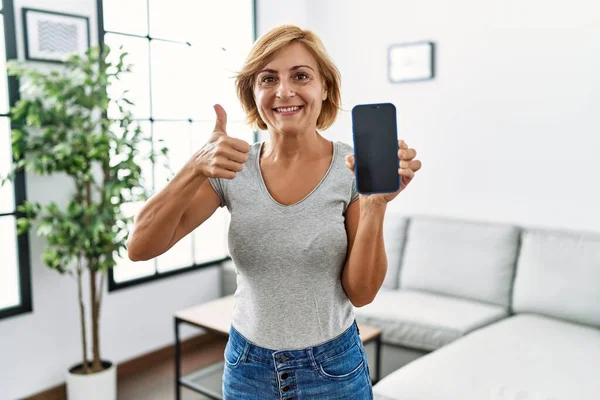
(288, 109)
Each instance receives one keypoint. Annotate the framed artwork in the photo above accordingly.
(411, 62)
(52, 36)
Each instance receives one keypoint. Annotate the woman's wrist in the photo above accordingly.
(373, 202)
(372, 207)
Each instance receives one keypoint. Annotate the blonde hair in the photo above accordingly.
(263, 51)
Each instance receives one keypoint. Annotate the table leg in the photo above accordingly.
(378, 362)
(177, 361)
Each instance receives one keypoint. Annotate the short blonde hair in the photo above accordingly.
(263, 51)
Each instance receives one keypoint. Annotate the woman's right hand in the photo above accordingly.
(222, 156)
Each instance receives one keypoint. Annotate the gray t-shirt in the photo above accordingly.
(289, 259)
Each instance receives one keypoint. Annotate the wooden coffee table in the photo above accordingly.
(215, 316)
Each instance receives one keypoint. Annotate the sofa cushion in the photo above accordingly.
(394, 234)
(425, 321)
(558, 275)
(522, 357)
(472, 260)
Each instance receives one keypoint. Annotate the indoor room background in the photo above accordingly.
(507, 131)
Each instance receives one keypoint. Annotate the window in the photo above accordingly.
(15, 285)
(184, 55)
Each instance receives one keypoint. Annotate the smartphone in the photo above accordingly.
(375, 134)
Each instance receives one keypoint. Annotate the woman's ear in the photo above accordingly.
(325, 87)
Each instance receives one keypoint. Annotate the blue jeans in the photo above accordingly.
(335, 370)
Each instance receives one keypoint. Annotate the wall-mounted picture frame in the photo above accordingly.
(53, 36)
(411, 62)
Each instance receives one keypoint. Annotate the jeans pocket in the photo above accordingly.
(232, 354)
(344, 365)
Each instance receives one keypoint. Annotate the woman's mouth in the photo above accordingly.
(292, 110)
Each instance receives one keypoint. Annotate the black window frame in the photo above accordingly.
(23, 251)
(157, 276)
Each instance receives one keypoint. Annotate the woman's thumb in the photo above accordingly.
(221, 124)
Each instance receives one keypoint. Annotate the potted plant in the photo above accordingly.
(61, 125)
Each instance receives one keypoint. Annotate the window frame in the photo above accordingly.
(23, 250)
(157, 276)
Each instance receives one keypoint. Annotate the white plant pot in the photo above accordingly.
(98, 386)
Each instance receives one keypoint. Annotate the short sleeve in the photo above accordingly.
(345, 151)
(217, 185)
(355, 193)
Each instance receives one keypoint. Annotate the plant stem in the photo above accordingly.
(84, 364)
(97, 365)
(93, 269)
(100, 291)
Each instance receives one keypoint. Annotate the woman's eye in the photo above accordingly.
(302, 76)
(267, 79)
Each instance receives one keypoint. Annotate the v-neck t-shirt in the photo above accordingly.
(289, 258)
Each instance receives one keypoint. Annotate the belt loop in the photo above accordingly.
(245, 351)
(311, 357)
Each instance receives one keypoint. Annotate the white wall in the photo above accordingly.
(272, 13)
(508, 130)
(37, 348)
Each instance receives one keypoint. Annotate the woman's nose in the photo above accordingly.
(284, 90)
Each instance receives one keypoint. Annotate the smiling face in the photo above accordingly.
(289, 91)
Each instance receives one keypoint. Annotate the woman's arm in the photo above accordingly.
(186, 202)
(188, 199)
(366, 262)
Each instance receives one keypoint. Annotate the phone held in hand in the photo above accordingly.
(375, 134)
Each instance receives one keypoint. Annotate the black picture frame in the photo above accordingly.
(72, 25)
(419, 58)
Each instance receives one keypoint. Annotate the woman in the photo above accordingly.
(305, 250)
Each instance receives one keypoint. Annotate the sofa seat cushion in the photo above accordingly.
(425, 321)
(522, 357)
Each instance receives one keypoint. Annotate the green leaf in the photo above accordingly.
(44, 229)
(61, 127)
(23, 225)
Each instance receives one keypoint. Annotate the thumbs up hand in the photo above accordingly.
(222, 156)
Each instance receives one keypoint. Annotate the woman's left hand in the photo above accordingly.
(408, 167)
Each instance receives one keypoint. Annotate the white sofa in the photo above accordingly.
(485, 311)
(507, 312)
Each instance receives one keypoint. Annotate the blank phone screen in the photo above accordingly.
(375, 148)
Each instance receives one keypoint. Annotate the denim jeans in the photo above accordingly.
(335, 370)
